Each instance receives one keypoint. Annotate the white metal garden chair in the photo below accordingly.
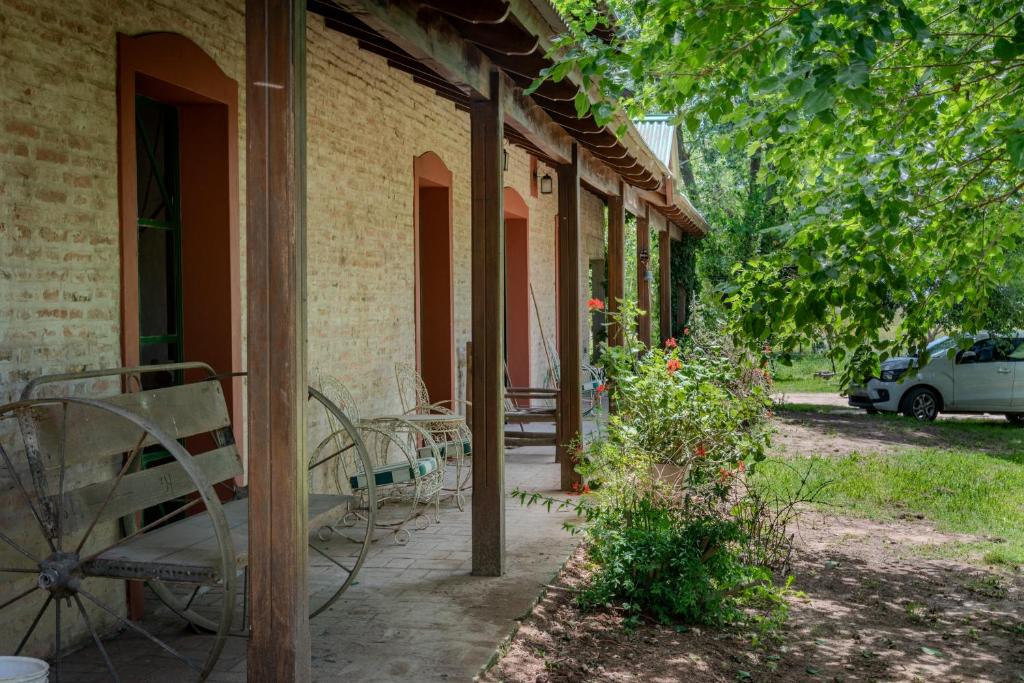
(408, 465)
(445, 420)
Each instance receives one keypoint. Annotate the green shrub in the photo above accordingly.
(654, 561)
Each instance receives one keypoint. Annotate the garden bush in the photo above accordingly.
(670, 534)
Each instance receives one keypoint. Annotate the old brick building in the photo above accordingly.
(124, 134)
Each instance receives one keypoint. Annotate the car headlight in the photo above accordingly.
(893, 375)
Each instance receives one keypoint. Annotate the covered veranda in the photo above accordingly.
(488, 79)
(494, 558)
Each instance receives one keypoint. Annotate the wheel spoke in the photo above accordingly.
(96, 639)
(39, 615)
(60, 652)
(19, 597)
(110, 493)
(17, 570)
(138, 629)
(60, 478)
(28, 500)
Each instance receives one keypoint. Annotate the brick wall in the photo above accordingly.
(59, 233)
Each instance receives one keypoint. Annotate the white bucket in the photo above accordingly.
(23, 670)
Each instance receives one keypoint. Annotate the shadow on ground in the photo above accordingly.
(865, 616)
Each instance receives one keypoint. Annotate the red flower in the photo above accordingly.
(595, 305)
(575, 487)
(601, 388)
(586, 488)
(671, 343)
(686, 331)
(673, 365)
(724, 474)
(701, 451)
(741, 466)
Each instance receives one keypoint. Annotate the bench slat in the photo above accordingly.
(181, 411)
(140, 490)
(187, 550)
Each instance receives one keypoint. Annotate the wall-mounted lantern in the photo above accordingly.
(643, 256)
(546, 186)
(504, 159)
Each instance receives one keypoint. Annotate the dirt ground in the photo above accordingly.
(840, 430)
(868, 607)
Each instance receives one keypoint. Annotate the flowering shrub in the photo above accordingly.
(663, 534)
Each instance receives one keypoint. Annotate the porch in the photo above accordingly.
(414, 610)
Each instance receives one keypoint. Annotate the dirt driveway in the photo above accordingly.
(822, 424)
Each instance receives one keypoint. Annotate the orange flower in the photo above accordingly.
(595, 305)
(767, 348)
(673, 365)
(671, 343)
(741, 466)
(686, 331)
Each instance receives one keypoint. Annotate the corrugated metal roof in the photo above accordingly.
(659, 134)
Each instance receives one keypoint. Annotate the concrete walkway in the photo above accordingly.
(414, 613)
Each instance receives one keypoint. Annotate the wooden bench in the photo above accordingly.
(74, 466)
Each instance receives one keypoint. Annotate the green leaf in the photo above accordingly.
(930, 651)
(853, 75)
(582, 104)
(1004, 49)
(1015, 146)
(818, 100)
(864, 46)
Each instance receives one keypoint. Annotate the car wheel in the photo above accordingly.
(922, 404)
(1016, 418)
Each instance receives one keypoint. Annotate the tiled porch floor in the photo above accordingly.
(415, 610)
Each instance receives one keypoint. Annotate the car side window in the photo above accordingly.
(1017, 353)
(992, 350)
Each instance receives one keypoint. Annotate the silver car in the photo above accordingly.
(986, 378)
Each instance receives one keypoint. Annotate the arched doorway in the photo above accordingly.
(435, 328)
(517, 289)
(178, 193)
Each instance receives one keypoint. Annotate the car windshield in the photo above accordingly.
(940, 344)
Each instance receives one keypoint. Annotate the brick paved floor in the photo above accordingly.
(414, 612)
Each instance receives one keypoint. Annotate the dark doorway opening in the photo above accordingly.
(435, 324)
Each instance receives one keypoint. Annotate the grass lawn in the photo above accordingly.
(968, 492)
(799, 377)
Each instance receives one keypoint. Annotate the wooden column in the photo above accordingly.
(275, 37)
(665, 283)
(616, 260)
(643, 286)
(488, 295)
(570, 412)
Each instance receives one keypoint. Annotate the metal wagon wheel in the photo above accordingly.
(344, 552)
(51, 557)
(330, 554)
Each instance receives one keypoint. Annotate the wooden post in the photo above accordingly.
(643, 286)
(665, 283)
(616, 260)
(570, 413)
(275, 46)
(488, 295)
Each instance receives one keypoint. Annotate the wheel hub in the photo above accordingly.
(57, 574)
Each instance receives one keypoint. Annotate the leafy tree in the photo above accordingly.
(891, 133)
